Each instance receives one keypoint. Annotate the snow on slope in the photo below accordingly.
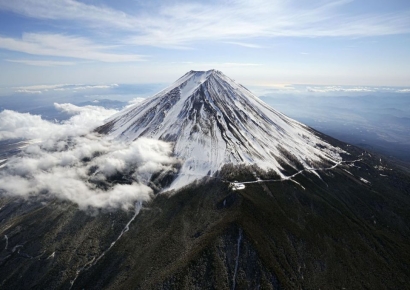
(212, 120)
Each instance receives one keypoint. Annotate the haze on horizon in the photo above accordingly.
(270, 43)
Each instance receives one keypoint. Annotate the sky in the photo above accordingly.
(258, 42)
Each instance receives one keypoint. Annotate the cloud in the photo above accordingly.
(178, 24)
(38, 89)
(181, 24)
(298, 89)
(65, 46)
(244, 44)
(71, 163)
(96, 16)
(134, 102)
(331, 89)
(42, 87)
(14, 125)
(41, 62)
(23, 91)
(350, 89)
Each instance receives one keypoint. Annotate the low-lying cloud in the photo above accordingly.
(39, 89)
(70, 162)
(298, 89)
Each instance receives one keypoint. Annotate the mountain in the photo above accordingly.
(213, 121)
(307, 211)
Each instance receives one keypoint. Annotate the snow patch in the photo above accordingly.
(211, 121)
(364, 180)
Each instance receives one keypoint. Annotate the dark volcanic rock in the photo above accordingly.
(335, 232)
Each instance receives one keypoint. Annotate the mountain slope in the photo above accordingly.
(344, 225)
(338, 232)
(213, 121)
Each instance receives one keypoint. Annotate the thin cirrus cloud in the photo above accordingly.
(59, 45)
(41, 62)
(39, 89)
(96, 16)
(245, 44)
(179, 24)
(184, 23)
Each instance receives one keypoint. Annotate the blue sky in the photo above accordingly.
(259, 42)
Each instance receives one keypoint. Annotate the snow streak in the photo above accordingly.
(211, 121)
(237, 259)
(7, 241)
(87, 266)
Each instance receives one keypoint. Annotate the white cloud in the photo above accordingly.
(15, 125)
(180, 24)
(134, 101)
(360, 89)
(177, 24)
(41, 62)
(97, 16)
(244, 44)
(87, 87)
(38, 89)
(41, 87)
(65, 46)
(73, 164)
(23, 91)
(331, 89)
(297, 89)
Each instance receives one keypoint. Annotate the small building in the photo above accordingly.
(237, 186)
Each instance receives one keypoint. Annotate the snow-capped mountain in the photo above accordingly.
(212, 121)
(268, 235)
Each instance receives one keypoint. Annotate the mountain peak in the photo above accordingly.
(212, 121)
(207, 72)
(200, 77)
(196, 78)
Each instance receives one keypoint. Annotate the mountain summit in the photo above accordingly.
(212, 121)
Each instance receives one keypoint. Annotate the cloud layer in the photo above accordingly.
(60, 45)
(297, 89)
(39, 89)
(70, 163)
(178, 24)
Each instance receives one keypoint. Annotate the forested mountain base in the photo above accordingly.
(347, 229)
